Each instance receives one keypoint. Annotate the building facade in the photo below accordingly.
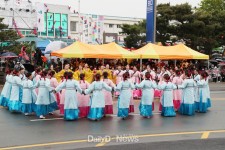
(58, 21)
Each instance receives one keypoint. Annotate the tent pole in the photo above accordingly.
(208, 64)
(141, 64)
(62, 63)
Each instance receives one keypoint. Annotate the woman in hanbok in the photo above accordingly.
(108, 95)
(119, 77)
(71, 111)
(5, 94)
(177, 93)
(202, 104)
(124, 87)
(62, 94)
(37, 76)
(45, 103)
(187, 106)
(196, 77)
(83, 100)
(54, 83)
(208, 90)
(135, 78)
(167, 97)
(29, 96)
(97, 106)
(15, 94)
(146, 104)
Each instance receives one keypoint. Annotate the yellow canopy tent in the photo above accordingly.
(181, 48)
(169, 52)
(78, 50)
(114, 51)
(82, 50)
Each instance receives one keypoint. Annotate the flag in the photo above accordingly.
(18, 2)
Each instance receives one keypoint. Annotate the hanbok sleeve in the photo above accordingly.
(19, 82)
(90, 88)
(55, 82)
(154, 85)
(174, 86)
(141, 85)
(132, 86)
(106, 87)
(60, 86)
(48, 85)
(119, 86)
(112, 84)
(174, 81)
(183, 85)
(77, 86)
(162, 86)
(31, 85)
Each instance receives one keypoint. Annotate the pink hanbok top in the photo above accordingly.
(119, 76)
(83, 100)
(108, 95)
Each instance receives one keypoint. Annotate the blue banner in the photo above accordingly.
(150, 21)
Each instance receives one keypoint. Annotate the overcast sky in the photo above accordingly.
(126, 8)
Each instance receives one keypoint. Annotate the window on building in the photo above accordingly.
(118, 26)
(73, 26)
(50, 24)
(110, 25)
(64, 25)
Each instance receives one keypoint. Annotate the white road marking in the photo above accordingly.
(46, 119)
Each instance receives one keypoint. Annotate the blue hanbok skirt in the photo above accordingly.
(168, 111)
(4, 101)
(96, 113)
(145, 110)
(28, 108)
(187, 109)
(71, 114)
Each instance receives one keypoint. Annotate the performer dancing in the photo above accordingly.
(188, 97)
(97, 99)
(124, 87)
(108, 95)
(83, 100)
(29, 96)
(54, 83)
(5, 94)
(177, 93)
(202, 104)
(16, 93)
(44, 104)
(146, 104)
(167, 97)
(71, 111)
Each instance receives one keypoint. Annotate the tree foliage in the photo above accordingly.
(9, 36)
(203, 27)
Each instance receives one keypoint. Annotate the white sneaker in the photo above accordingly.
(51, 113)
(42, 117)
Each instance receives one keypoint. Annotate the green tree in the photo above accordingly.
(212, 6)
(9, 36)
(135, 34)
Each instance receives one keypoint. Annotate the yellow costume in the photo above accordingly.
(77, 73)
(88, 75)
(61, 73)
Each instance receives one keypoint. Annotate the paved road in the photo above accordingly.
(210, 144)
(21, 132)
